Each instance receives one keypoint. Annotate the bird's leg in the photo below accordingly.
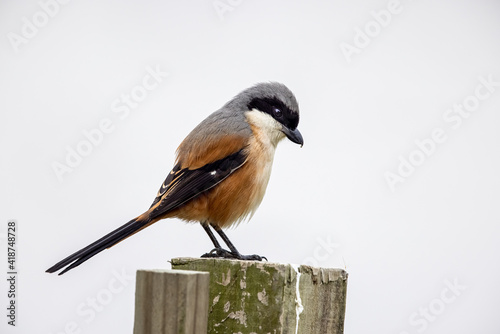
(234, 252)
(218, 251)
(212, 237)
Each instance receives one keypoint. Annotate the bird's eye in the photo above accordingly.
(278, 112)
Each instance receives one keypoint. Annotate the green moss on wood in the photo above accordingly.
(260, 297)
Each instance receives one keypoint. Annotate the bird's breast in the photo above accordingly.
(240, 194)
(262, 159)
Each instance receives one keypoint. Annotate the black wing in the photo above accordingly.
(182, 185)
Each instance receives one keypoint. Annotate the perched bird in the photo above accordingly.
(221, 171)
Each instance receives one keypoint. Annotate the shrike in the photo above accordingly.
(221, 171)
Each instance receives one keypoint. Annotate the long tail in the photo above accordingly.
(109, 240)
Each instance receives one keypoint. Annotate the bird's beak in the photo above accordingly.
(293, 135)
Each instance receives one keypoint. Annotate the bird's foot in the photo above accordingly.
(225, 254)
(253, 257)
(219, 252)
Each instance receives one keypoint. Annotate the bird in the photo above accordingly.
(221, 171)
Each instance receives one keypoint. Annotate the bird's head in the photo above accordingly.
(273, 108)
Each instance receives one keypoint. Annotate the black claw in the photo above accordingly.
(222, 253)
(219, 252)
(253, 257)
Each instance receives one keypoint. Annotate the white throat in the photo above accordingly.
(269, 130)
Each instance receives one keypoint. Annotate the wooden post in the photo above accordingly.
(261, 297)
(171, 301)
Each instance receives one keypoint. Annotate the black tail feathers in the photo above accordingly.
(109, 240)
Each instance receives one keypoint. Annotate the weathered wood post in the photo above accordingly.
(260, 297)
(171, 301)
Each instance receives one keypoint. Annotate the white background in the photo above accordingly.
(360, 114)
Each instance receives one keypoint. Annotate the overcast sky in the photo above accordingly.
(397, 183)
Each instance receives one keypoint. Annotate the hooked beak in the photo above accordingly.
(293, 135)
